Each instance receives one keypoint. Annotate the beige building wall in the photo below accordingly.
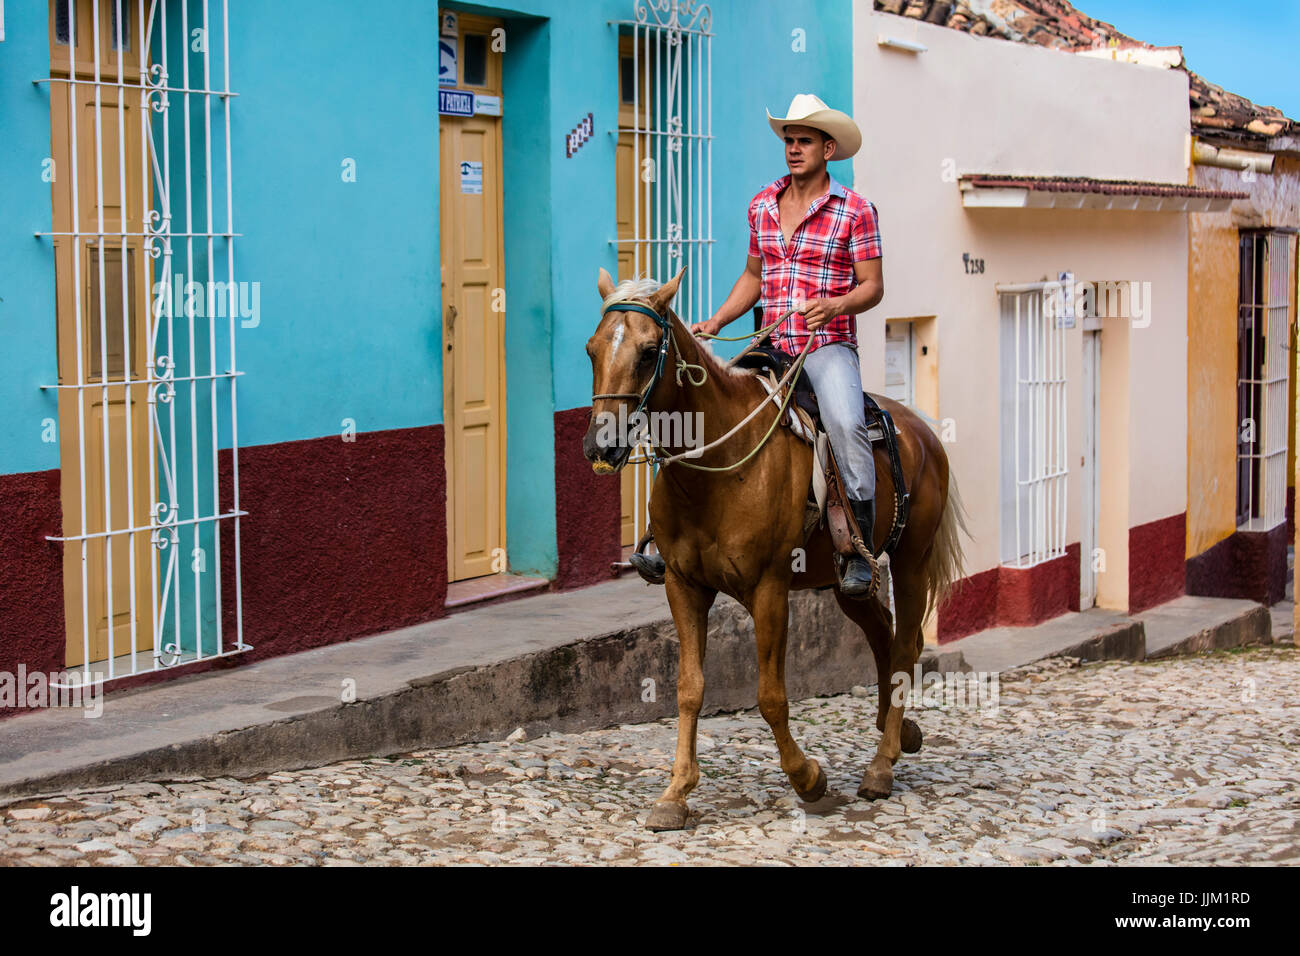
(977, 105)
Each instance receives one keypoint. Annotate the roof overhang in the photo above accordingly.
(1055, 192)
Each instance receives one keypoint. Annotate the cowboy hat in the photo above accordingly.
(808, 110)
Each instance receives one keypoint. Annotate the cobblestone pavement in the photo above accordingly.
(1194, 760)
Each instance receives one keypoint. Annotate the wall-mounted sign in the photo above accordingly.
(455, 102)
(580, 134)
(447, 24)
(447, 61)
(471, 178)
(1065, 304)
(485, 105)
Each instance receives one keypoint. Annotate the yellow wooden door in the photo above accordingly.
(103, 454)
(629, 160)
(473, 299)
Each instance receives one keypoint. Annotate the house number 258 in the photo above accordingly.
(973, 266)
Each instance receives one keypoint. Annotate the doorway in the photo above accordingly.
(102, 282)
(473, 300)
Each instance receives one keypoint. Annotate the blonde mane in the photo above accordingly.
(640, 289)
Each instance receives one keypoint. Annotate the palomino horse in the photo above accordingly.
(737, 530)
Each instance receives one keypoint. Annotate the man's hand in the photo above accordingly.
(817, 312)
(707, 327)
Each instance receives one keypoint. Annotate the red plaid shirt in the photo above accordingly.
(839, 229)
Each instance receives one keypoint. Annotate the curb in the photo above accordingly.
(602, 681)
(1254, 626)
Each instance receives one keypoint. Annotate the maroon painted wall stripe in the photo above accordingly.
(588, 508)
(1156, 562)
(32, 630)
(342, 540)
(1246, 564)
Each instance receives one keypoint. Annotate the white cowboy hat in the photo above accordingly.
(808, 110)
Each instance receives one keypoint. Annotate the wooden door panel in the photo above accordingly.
(635, 479)
(103, 431)
(473, 336)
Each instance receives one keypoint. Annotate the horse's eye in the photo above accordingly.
(648, 354)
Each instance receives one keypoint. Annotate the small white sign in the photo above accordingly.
(447, 61)
(471, 178)
(447, 25)
(487, 105)
(1065, 304)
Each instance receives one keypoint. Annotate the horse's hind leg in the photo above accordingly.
(771, 613)
(910, 596)
(690, 606)
(873, 618)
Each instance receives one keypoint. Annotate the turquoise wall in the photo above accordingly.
(28, 355)
(348, 270)
(350, 308)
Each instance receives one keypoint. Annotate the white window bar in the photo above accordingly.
(1262, 385)
(164, 521)
(1037, 432)
(672, 216)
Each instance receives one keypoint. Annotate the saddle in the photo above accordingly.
(827, 500)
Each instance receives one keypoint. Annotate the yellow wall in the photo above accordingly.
(1212, 284)
(1211, 380)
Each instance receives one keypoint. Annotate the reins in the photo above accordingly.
(665, 323)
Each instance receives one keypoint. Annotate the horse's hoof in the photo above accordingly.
(667, 816)
(818, 789)
(876, 784)
(909, 739)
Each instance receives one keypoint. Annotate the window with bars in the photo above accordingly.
(1033, 426)
(1263, 356)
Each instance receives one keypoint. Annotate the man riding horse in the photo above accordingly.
(814, 246)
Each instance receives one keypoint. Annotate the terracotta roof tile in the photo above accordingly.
(1057, 24)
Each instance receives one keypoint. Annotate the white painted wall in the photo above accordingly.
(979, 105)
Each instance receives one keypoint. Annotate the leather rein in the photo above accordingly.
(665, 323)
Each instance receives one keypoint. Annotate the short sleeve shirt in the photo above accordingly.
(839, 229)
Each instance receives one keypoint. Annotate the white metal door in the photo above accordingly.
(1090, 477)
(672, 135)
(157, 57)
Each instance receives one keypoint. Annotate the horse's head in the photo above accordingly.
(625, 356)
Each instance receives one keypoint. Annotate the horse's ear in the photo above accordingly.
(663, 296)
(604, 284)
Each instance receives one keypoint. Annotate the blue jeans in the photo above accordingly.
(837, 380)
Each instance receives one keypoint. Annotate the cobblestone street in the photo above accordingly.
(1193, 760)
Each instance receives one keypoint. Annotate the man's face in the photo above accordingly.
(807, 150)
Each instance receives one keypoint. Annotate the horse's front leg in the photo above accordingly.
(771, 612)
(690, 607)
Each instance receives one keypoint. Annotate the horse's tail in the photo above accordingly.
(944, 566)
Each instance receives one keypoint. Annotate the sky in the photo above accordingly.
(1246, 48)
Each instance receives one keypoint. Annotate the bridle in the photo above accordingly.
(665, 324)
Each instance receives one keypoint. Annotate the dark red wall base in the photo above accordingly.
(1156, 562)
(342, 539)
(1013, 597)
(1290, 512)
(1246, 564)
(588, 508)
(32, 630)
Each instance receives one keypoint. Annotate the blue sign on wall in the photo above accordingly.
(456, 102)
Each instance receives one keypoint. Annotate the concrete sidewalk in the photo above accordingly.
(597, 657)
